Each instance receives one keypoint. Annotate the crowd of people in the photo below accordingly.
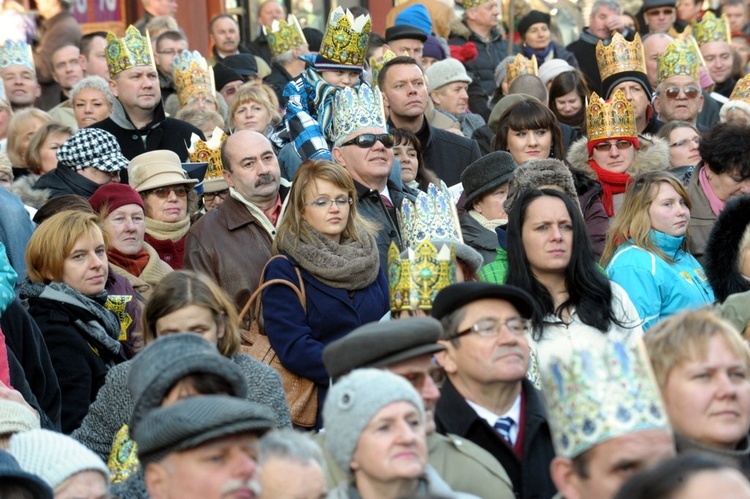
(431, 262)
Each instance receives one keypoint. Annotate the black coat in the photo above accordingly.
(531, 477)
(446, 153)
(277, 80)
(260, 47)
(63, 180)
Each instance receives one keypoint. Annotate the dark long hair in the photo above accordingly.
(589, 291)
(528, 115)
(424, 176)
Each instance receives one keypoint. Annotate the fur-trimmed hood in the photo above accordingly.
(720, 259)
(23, 187)
(459, 28)
(653, 155)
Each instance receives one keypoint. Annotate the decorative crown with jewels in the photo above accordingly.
(346, 39)
(201, 151)
(680, 57)
(470, 4)
(521, 66)
(131, 51)
(741, 91)
(620, 56)
(355, 109)
(711, 29)
(284, 35)
(610, 119)
(376, 66)
(192, 76)
(16, 53)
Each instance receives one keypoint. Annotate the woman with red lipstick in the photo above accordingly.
(67, 272)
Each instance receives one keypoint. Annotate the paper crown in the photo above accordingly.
(131, 51)
(620, 56)
(284, 35)
(16, 53)
(346, 39)
(416, 278)
(431, 216)
(521, 66)
(355, 109)
(470, 4)
(711, 29)
(376, 66)
(741, 90)
(192, 76)
(610, 119)
(598, 393)
(680, 57)
(201, 151)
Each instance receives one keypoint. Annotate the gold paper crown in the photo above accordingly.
(610, 119)
(355, 109)
(680, 57)
(201, 151)
(346, 39)
(16, 53)
(470, 4)
(521, 66)
(600, 392)
(711, 29)
(192, 76)
(620, 56)
(376, 66)
(131, 51)
(741, 90)
(416, 279)
(283, 35)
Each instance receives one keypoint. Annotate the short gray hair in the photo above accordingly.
(96, 83)
(286, 57)
(610, 4)
(290, 445)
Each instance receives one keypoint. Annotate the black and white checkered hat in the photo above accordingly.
(92, 147)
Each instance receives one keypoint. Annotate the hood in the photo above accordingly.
(121, 118)
(459, 28)
(652, 156)
(722, 249)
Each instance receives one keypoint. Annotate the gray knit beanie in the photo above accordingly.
(155, 370)
(353, 401)
(537, 173)
(486, 174)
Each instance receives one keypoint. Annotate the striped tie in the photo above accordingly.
(503, 426)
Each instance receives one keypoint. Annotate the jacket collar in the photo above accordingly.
(670, 245)
(121, 118)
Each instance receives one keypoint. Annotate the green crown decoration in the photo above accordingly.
(711, 29)
(680, 58)
(284, 36)
(192, 76)
(131, 51)
(346, 39)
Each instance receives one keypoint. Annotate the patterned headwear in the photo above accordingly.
(284, 35)
(711, 29)
(470, 4)
(355, 109)
(192, 76)
(521, 66)
(345, 41)
(133, 50)
(201, 151)
(620, 56)
(612, 119)
(740, 99)
(680, 58)
(376, 66)
(16, 53)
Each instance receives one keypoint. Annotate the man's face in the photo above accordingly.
(162, 7)
(166, 51)
(95, 62)
(452, 97)
(688, 10)
(418, 371)
(637, 96)
(600, 21)
(255, 171)
(21, 86)
(226, 36)
(682, 107)
(653, 47)
(369, 166)
(66, 66)
(137, 88)
(221, 468)
(287, 478)
(484, 15)
(660, 19)
(736, 15)
(413, 48)
(269, 12)
(229, 91)
(718, 57)
(404, 91)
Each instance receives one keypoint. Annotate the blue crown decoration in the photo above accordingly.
(355, 109)
(16, 53)
(432, 216)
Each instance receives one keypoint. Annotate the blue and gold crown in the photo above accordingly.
(610, 119)
(620, 56)
(346, 39)
(201, 151)
(284, 35)
(355, 109)
(680, 58)
(711, 29)
(432, 216)
(600, 392)
(16, 53)
(520, 65)
(192, 76)
(131, 51)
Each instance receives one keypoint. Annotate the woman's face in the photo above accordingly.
(537, 37)
(85, 485)
(524, 145)
(126, 227)
(668, 212)
(167, 204)
(48, 150)
(708, 399)
(614, 155)
(727, 185)
(490, 206)
(683, 147)
(85, 267)
(406, 153)
(251, 116)
(326, 208)
(569, 104)
(392, 446)
(193, 318)
(25, 133)
(547, 236)
(90, 106)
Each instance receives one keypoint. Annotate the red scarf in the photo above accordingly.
(133, 264)
(613, 183)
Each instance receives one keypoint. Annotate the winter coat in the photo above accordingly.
(584, 50)
(446, 153)
(478, 237)
(23, 187)
(722, 257)
(589, 192)
(656, 287)
(62, 181)
(261, 48)
(702, 217)
(557, 52)
(150, 276)
(171, 252)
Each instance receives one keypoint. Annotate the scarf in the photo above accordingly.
(324, 93)
(613, 183)
(349, 265)
(104, 328)
(717, 205)
(490, 225)
(172, 231)
(541, 55)
(133, 264)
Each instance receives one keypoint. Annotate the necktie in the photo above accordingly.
(503, 426)
(386, 201)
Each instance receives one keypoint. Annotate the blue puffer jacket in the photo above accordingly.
(656, 287)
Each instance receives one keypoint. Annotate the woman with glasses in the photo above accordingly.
(683, 139)
(322, 235)
(646, 249)
(550, 256)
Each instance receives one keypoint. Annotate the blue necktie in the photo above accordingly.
(503, 426)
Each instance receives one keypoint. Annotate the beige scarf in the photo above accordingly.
(173, 231)
(490, 225)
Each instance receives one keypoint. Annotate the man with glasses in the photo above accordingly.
(678, 95)
(169, 45)
(659, 16)
(486, 397)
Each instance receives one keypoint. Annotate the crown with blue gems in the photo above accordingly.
(16, 53)
(284, 35)
(620, 56)
(355, 109)
(192, 76)
(609, 119)
(346, 39)
(131, 51)
(680, 58)
(201, 151)
(600, 392)
(520, 65)
(711, 29)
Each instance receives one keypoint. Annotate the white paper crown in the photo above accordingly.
(432, 216)
(16, 53)
(356, 109)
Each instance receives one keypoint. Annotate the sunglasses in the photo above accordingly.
(367, 140)
(606, 146)
(210, 196)
(690, 92)
(660, 12)
(163, 192)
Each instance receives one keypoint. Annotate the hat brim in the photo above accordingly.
(456, 296)
(164, 180)
(487, 188)
(211, 185)
(405, 355)
(195, 171)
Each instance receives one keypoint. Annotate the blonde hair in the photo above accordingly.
(19, 124)
(261, 94)
(33, 154)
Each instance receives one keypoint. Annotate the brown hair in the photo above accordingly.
(33, 154)
(19, 124)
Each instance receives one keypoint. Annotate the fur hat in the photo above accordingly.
(537, 173)
(485, 174)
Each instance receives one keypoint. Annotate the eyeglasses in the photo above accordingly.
(695, 140)
(210, 196)
(168, 52)
(418, 379)
(163, 192)
(660, 12)
(490, 328)
(327, 203)
(606, 146)
(367, 140)
(674, 92)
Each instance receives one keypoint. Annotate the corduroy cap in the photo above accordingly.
(444, 72)
(456, 296)
(91, 147)
(533, 17)
(224, 75)
(503, 105)
(156, 169)
(115, 195)
(486, 174)
(244, 64)
(380, 344)
(11, 472)
(404, 33)
(195, 421)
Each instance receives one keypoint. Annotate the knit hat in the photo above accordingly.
(444, 72)
(417, 16)
(115, 195)
(504, 105)
(244, 64)
(433, 48)
(54, 457)
(530, 19)
(197, 420)
(168, 359)
(354, 400)
(154, 169)
(551, 69)
(16, 418)
(404, 33)
(486, 174)
(92, 147)
(11, 472)
(536, 173)
(224, 75)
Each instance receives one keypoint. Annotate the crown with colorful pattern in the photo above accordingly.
(201, 151)
(711, 29)
(346, 39)
(470, 4)
(376, 66)
(16, 53)
(600, 392)
(680, 58)
(741, 90)
(284, 36)
(192, 76)
(416, 278)
(520, 65)
(610, 119)
(620, 56)
(131, 51)
(355, 109)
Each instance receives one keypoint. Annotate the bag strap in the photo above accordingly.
(299, 291)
